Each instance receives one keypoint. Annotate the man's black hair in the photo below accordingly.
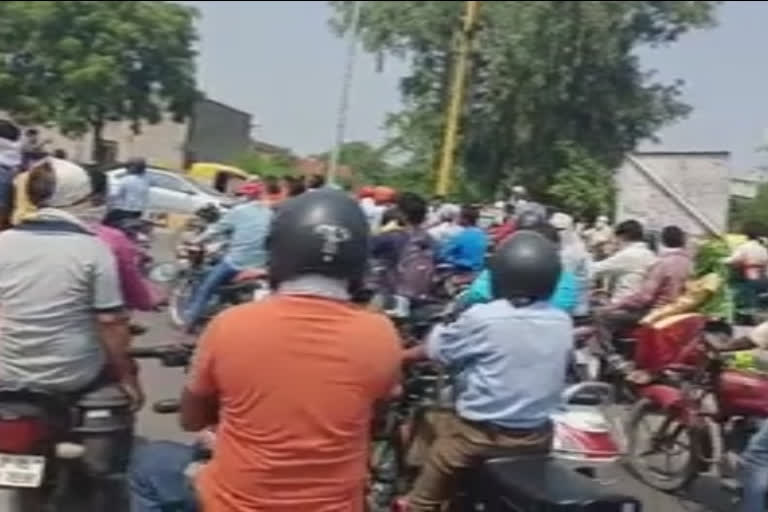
(392, 214)
(9, 131)
(271, 185)
(630, 230)
(316, 181)
(673, 237)
(469, 215)
(295, 186)
(413, 207)
(32, 131)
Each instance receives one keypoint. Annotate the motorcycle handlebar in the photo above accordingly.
(167, 406)
(156, 352)
(169, 355)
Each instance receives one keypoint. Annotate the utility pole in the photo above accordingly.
(458, 84)
(349, 71)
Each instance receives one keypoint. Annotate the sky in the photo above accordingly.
(280, 62)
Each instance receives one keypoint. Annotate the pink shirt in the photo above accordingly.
(136, 294)
(664, 282)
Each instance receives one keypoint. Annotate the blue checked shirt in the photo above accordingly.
(508, 364)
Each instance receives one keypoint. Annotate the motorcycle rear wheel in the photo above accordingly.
(670, 438)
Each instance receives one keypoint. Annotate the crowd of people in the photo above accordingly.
(282, 391)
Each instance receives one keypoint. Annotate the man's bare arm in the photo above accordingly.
(115, 336)
(198, 411)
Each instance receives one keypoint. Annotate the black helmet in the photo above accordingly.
(324, 232)
(530, 219)
(526, 266)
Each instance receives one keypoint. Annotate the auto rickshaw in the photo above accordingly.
(224, 178)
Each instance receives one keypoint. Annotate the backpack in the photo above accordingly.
(416, 265)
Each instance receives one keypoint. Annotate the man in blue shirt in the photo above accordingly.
(508, 359)
(247, 226)
(565, 296)
(466, 251)
(130, 196)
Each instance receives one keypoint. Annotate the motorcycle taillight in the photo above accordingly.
(22, 435)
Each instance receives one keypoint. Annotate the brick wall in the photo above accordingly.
(701, 178)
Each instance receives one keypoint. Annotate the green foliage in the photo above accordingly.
(582, 186)
(373, 166)
(366, 162)
(709, 259)
(79, 64)
(542, 73)
(263, 166)
(744, 212)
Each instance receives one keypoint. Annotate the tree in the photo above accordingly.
(543, 73)
(367, 162)
(263, 165)
(377, 166)
(78, 65)
(750, 212)
(582, 186)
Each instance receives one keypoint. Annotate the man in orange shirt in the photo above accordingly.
(291, 381)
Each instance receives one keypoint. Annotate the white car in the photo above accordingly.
(171, 192)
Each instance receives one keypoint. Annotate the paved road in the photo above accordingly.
(162, 383)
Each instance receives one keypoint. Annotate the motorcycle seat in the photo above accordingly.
(33, 402)
(541, 483)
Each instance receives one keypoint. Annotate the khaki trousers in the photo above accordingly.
(458, 445)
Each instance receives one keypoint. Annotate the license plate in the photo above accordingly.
(21, 470)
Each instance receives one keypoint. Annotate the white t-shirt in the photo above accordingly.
(373, 213)
(444, 231)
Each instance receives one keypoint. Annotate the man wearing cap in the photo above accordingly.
(247, 226)
(64, 328)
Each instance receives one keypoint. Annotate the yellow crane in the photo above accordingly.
(458, 85)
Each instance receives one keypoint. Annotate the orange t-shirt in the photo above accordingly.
(296, 378)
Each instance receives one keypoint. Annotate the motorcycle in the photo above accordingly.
(697, 413)
(449, 282)
(193, 264)
(585, 440)
(584, 444)
(61, 453)
(500, 485)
